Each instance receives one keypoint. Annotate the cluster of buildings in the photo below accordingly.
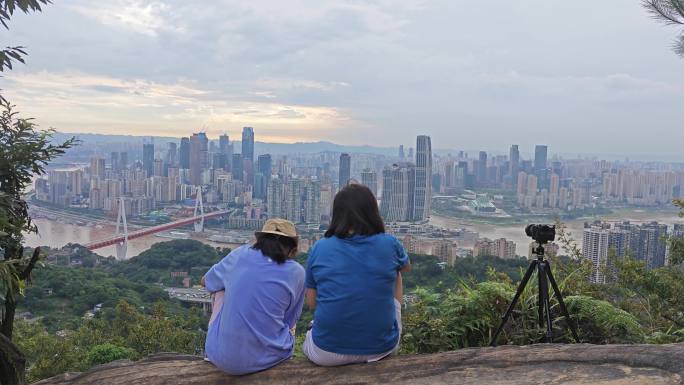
(602, 242)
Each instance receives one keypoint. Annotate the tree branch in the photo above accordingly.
(26, 273)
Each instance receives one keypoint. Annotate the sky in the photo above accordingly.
(581, 76)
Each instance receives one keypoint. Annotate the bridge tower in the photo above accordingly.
(199, 210)
(121, 224)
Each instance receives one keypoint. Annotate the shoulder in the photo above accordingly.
(295, 269)
(387, 239)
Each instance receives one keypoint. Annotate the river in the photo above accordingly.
(57, 234)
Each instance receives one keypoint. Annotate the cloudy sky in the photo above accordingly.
(583, 76)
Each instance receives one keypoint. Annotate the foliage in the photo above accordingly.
(121, 333)
(107, 352)
(670, 12)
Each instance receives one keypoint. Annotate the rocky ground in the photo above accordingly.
(537, 364)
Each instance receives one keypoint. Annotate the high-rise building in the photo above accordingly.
(248, 143)
(184, 153)
(237, 170)
(123, 161)
(481, 171)
(199, 157)
(172, 154)
(444, 250)
(263, 176)
(345, 170)
(398, 192)
(226, 148)
(540, 157)
(402, 155)
(312, 202)
(115, 162)
(97, 167)
(148, 158)
(293, 200)
(369, 178)
(652, 244)
(423, 190)
(276, 198)
(514, 165)
(595, 248)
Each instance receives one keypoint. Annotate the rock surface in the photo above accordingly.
(537, 364)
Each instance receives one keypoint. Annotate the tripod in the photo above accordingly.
(544, 306)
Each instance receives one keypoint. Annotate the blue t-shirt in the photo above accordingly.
(354, 279)
(263, 301)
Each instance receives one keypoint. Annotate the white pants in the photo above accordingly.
(323, 358)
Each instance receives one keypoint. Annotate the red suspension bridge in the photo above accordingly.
(117, 239)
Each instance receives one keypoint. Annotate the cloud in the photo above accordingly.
(144, 17)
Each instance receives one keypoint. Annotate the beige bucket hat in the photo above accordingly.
(278, 226)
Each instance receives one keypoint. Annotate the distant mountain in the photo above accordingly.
(99, 140)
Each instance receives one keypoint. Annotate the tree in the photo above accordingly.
(24, 152)
(670, 12)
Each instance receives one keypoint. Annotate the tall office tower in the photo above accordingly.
(97, 167)
(481, 171)
(199, 157)
(293, 200)
(345, 170)
(653, 244)
(461, 176)
(275, 198)
(158, 167)
(595, 248)
(172, 154)
(123, 161)
(410, 153)
(237, 170)
(248, 155)
(312, 202)
(226, 148)
(115, 161)
(184, 153)
(514, 164)
(423, 195)
(398, 192)
(369, 178)
(540, 157)
(402, 155)
(541, 166)
(148, 158)
(263, 176)
(248, 143)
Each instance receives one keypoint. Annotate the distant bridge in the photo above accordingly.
(121, 236)
(151, 230)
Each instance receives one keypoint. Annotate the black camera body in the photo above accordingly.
(541, 233)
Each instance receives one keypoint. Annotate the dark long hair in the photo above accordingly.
(276, 247)
(355, 212)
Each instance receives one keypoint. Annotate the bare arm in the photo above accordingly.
(311, 298)
(399, 288)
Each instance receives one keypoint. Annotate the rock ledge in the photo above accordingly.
(536, 364)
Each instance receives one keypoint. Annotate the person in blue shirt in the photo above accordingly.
(353, 280)
(258, 294)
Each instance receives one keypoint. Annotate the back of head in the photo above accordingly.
(277, 247)
(355, 212)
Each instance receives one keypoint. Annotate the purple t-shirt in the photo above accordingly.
(263, 301)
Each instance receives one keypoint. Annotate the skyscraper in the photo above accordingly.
(423, 196)
(595, 247)
(481, 171)
(199, 157)
(370, 179)
(248, 143)
(541, 166)
(248, 155)
(402, 155)
(263, 176)
(97, 167)
(237, 171)
(148, 158)
(115, 161)
(226, 148)
(398, 192)
(514, 164)
(345, 170)
(275, 198)
(172, 154)
(184, 153)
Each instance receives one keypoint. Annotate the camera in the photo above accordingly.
(541, 233)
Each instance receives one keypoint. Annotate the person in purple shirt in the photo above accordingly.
(258, 294)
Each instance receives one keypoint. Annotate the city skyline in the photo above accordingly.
(518, 87)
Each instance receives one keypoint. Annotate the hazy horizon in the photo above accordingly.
(582, 77)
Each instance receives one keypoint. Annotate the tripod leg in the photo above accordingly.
(518, 292)
(540, 298)
(544, 295)
(564, 309)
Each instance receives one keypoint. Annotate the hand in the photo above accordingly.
(202, 281)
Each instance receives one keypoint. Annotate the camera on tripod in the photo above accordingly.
(541, 233)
